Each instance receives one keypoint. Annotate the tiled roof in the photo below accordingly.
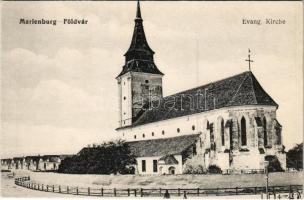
(64, 156)
(33, 158)
(168, 160)
(162, 147)
(238, 90)
(18, 159)
(137, 65)
(6, 159)
(139, 57)
(51, 158)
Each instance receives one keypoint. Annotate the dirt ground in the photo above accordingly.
(9, 189)
(168, 181)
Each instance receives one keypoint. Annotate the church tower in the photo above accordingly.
(140, 81)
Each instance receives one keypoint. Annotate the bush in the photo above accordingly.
(274, 164)
(194, 169)
(214, 169)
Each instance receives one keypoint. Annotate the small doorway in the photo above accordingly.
(171, 170)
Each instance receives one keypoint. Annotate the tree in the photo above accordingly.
(108, 158)
(295, 157)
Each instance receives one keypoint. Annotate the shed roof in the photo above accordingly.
(163, 146)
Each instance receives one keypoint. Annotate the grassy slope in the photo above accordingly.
(182, 181)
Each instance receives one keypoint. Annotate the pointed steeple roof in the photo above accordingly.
(139, 56)
(139, 41)
(138, 14)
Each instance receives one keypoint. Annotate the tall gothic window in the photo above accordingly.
(243, 132)
(222, 132)
(278, 133)
(143, 165)
(230, 136)
(212, 143)
(265, 132)
(154, 165)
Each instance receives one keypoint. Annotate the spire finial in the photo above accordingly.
(138, 14)
(249, 60)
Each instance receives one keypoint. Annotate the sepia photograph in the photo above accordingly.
(152, 99)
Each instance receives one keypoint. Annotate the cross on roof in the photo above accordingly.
(249, 60)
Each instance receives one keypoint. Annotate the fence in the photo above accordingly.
(244, 171)
(144, 192)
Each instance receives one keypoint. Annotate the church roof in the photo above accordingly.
(238, 90)
(139, 57)
(163, 146)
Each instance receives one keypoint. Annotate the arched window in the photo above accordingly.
(278, 133)
(178, 130)
(265, 132)
(163, 132)
(223, 132)
(193, 127)
(243, 132)
(152, 133)
(143, 135)
(194, 150)
(134, 136)
(230, 135)
(212, 142)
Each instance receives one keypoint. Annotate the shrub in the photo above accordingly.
(274, 164)
(194, 169)
(214, 169)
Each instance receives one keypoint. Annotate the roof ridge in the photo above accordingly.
(213, 82)
(253, 90)
(237, 91)
(232, 91)
(257, 84)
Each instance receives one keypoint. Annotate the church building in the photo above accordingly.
(230, 123)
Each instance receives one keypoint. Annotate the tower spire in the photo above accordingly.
(139, 56)
(138, 13)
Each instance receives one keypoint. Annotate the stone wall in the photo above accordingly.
(234, 155)
(145, 88)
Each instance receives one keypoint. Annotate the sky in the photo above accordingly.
(58, 87)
